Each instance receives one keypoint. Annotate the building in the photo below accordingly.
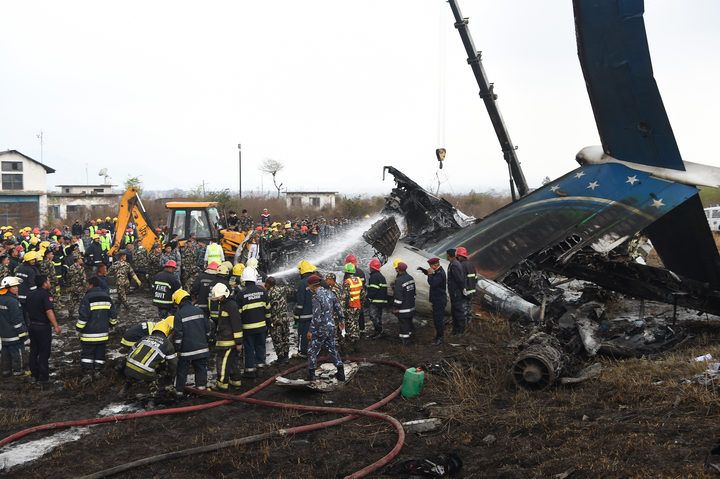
(23, 197)
(310, 199)
(81, 201)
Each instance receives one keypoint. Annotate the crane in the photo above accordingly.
(517, 178)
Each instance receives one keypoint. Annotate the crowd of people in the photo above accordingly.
(208, 308)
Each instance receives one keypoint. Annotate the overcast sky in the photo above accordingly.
(333, 89)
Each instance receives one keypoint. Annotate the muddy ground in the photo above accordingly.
(638, 419)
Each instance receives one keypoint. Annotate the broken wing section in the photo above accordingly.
(595, 205)
(615, 59)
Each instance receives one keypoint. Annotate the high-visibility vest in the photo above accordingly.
(92, 229)
(354, 285)
(215, 253)
(129, 238)
(105, 243)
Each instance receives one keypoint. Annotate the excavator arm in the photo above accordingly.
(132, 209)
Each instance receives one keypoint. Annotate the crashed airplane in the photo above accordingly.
(579, 225)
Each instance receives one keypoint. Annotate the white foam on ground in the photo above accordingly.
(17, 454)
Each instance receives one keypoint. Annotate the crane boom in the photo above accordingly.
(517, 178)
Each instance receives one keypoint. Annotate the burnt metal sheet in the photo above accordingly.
(615, 59)
(595, 205)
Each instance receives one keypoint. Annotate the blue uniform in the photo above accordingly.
(438, 299)
(322, 326)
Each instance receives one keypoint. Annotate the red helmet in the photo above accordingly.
(157, 229)
(259, 228)
(57, 231)
(351, 259)
(461, 251)
(170, 264)
(129, 230)
(375, 264)
(36, 231)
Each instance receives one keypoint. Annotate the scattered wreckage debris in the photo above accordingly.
(324, 379)
(539, 363)
(441, 465)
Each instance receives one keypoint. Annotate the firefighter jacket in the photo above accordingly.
(377, 288)
(456, 279)
(200, 289)
(135, 333)
(95, 254)
(354, 290)
(303, 301)
(12, 323)
(470, 277)
(192, 330)
(404, 297)
(229, 325)
(165, 284)
(213, 307)
(255, 308)
(26, 272)
(148, 356)
(97, 314)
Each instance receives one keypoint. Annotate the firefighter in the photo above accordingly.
(192, 331)
(228, 338)
(27, 272)
(404, 303)
(95, 256)
(470, 277)
(455, 286)
(255, 311)
(165, 284)
(134, 333)
(97, 314)
(351, 301)
(351, 258)
(235, 278)
(222, 277)
(303, 306)
(13, 331)
(200, 290)
(152, 354)
(377, 296)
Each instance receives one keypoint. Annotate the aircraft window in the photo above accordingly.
(179, 224)
(716, 213)
(198, 224)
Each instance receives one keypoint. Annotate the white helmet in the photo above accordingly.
(249, 275)
(251, 263)
(10, 281)
(219, 291)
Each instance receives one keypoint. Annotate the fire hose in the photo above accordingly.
(349, 413)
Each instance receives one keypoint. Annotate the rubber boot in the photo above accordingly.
(340, 374)
(311, 375)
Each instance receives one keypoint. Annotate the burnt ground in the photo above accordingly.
(638, 419)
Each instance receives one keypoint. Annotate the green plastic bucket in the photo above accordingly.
(413, 382)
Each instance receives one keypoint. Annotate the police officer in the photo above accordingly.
(255, 311)
(192, 330)
(455, 286)
(97, 314)
(377, 296)
(437, 279)
(322, 327)
(165, 284)
(404, 303)
(41, 323)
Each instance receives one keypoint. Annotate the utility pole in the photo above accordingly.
(239, 171)
(517, 178)
(40, 136)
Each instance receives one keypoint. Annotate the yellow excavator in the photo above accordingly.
(185, 218)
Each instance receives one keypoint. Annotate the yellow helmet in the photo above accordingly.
(238, 269)
(10, 228)
(115, 219)
(34, 240)
(305, 266)
(179, 295)
(397, 261)
(29, 256)
(95, 236)
(225, 268)
(44, 244)
(166, 325)
(99, 220)
(7, 235)
(107, 218)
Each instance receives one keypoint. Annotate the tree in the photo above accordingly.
(272, 167)
(134, 182)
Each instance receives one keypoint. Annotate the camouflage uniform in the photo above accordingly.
(47, 268)
(352, 315)
(322, 327)
(280, 319)
(4, 271)
(155, 262)
(76, 287)
(337, 291)
(142, 264)
(190, 269)
(123, 272)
